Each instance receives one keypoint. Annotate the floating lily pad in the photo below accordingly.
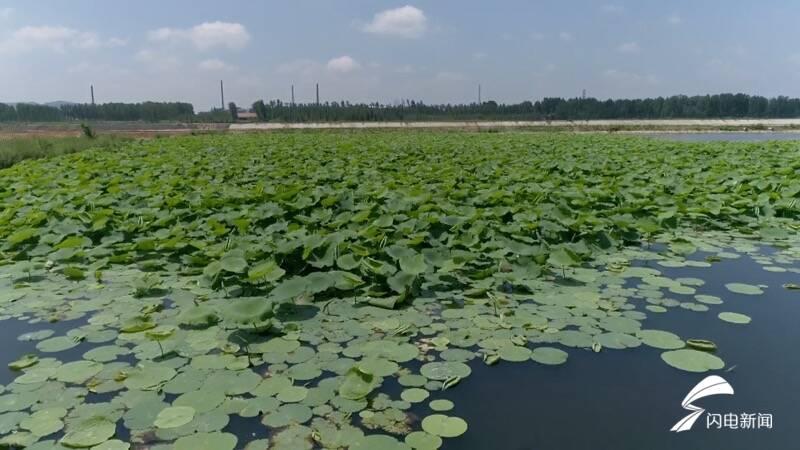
(441, 405)
(742, 288)
(89, 432)
(292, 394)
(733, 317)
(198, 317)
(702, 345)
(174, 417)
(78, 371)
(444, 426)
(207, 441)
(248, 310)
(414, 395)
(24, 362)
(515, 353)
(442, 371)
(357, 384)
(377, 442)
(692, 360)
(57, 344)
(549, 355)
(421, 440)
(661, 339)
(287, 414)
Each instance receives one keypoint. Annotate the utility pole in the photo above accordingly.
(317, 94)
(292, 95)
(583, 95)
(221, 94)
(91, 89)
(479, 93)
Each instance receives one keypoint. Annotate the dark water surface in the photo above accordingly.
(629, 399)
(731, 136)
(615, 399)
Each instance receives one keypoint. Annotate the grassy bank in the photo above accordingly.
(16, 149)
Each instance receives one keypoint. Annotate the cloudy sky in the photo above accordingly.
(436, 50)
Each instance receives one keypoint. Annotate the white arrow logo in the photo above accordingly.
(713, 385)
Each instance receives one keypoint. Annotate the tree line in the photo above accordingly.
(549, 108)
(146, 111)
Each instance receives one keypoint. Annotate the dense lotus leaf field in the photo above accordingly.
(178, 285)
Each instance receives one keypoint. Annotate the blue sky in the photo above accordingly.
(436, 51)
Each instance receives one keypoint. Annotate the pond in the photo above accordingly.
(727, 136)
(629, 400)
(399, 291)
(621, 399)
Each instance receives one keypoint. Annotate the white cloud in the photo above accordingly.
(537, 36)
(613, 9)
(215, 65)
(566, 37)
(629, 47)
(794, 58)
(205, 36)
(405, 22)
(343, 64)
(55, 38)
(674, 19)
(157, 60)
(95, 67)
(116, 42)
(479, 56)
(5, 13)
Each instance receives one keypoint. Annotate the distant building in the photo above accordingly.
(247, 116)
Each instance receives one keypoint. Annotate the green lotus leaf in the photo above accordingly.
(24, 362)
(207, 441)
(515, 353)
(660, 339)
(441, 405)
(701, 344)
(692, 360)
(292, 413)
(174, 416)
(733, 317)
(22, 235)
(444, 426)
(413, 264)
(421, 440)
(358, 383)
(137, 324)
(89, 432)
(548, 355)
(57, 344)
(233, 261)
(414, 395)
(441, 371)
(265, 272)
(201, 316)
(78, 371)
(742, 288)
(160, 333)
(377, 442)
(248, 310)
